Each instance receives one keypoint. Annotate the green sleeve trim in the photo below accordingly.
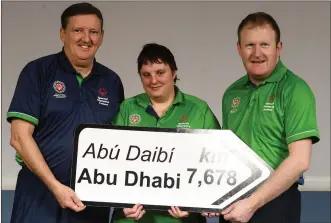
(23, 116)
(19, 160)
(313, 134)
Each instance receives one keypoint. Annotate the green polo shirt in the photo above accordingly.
(274, 114)
(186, 111)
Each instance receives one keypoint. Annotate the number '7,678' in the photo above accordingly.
(211, 176)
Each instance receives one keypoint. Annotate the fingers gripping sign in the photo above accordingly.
(210, 214)
(177, 213)
(67, 198)
(136, 212)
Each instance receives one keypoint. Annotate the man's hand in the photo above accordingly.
(282, 178)
(240, 211)
(177, 213)
(67, 198)
(136, 212)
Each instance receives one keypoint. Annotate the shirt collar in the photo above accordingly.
(67, 66)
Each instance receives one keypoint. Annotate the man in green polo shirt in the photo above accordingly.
(162, 105)
(273, 111)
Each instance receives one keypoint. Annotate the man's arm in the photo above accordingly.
(26, 147)
(286, 174)
(282, 178)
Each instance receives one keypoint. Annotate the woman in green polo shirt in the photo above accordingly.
(162, 105)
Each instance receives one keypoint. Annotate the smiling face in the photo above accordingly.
(157, 80)
(82, 38)
(259, 51)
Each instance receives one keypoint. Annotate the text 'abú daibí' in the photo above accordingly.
(132, 178)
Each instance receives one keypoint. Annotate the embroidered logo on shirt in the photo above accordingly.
(102, 92)
(183, 122)
(103, 100)
(59, 88)
(235, 104)
(269, 106)
(134, 119)
(183, 118)
(271, 98)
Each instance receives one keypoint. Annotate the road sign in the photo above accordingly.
(193, 169)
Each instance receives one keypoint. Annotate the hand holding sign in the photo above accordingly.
(195, 170)
(136, 212)
(177, 213)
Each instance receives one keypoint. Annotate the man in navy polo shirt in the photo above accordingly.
(53, 95)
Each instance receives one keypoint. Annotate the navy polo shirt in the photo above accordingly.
(51, 95)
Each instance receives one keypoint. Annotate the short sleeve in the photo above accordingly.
(300, 113)
(211, 121)
(26, 100)
(120, 119)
